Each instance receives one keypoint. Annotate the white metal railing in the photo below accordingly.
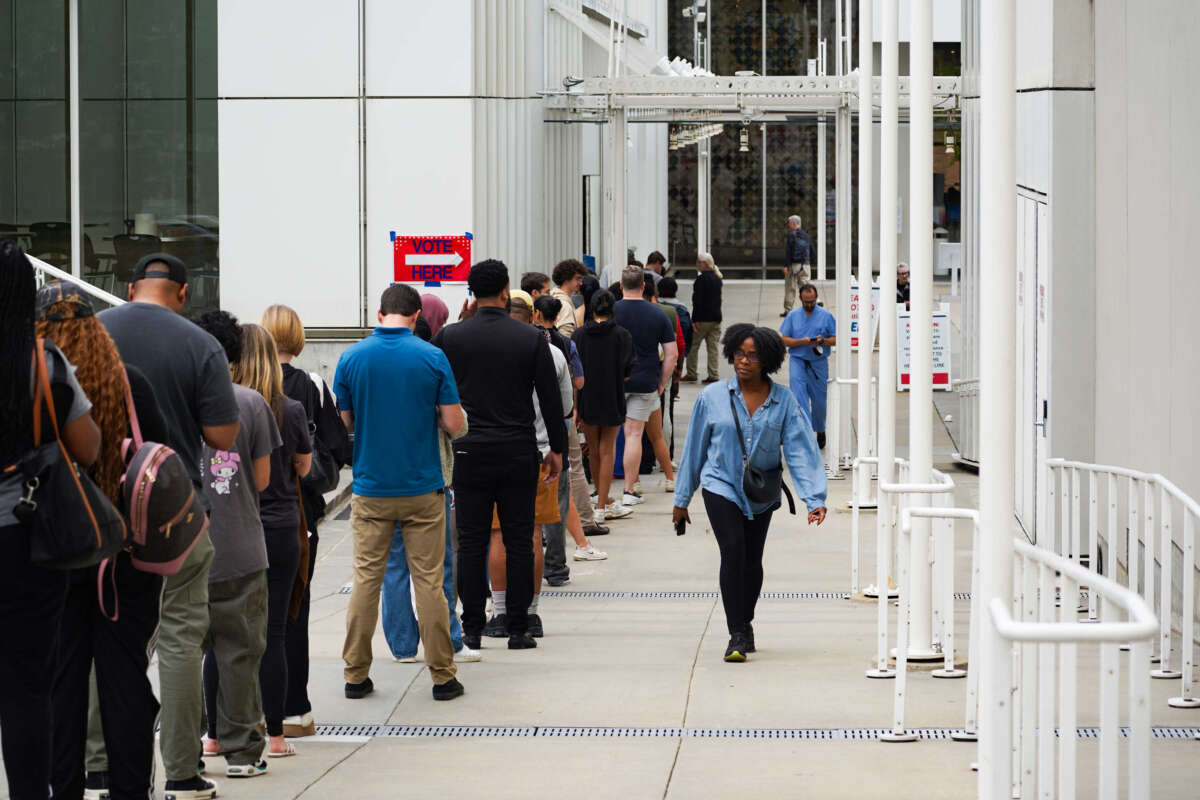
(967, 390)
(927, 583)
(946, 594)
(46, 271)
(1133, 516)
(857, 468)
(1039, 725)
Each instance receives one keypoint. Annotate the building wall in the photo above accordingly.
(1147, 171)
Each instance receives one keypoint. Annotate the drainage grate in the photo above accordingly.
(576, 595)
(564, 732)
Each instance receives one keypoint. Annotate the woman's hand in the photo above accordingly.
(817, 515)
(680, 514)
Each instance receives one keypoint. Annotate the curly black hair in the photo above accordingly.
(565, 270)
(767, 343)
(488, 279)
(225, 328)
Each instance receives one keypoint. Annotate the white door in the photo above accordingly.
(1041, 393)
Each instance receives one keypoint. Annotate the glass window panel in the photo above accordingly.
(158, 43)
(40, 49)
(101, 51)
(8, 167)
(7, 75)
(41, 184)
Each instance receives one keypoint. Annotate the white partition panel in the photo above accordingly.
(419, 181)
(289, 209)
(415, 47)
(288, 48)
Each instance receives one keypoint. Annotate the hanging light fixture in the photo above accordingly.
(949, 144)
(744, 140)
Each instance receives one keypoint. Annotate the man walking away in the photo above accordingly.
(706, 319)
(499, 365)
(190, 375)
(809, 332)
(395, 391)
(651, 329)
(798, 256)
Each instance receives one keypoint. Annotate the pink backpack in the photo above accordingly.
(165, 516)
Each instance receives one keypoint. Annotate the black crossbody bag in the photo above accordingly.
(760, 485)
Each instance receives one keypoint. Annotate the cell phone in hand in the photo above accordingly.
(681, 527)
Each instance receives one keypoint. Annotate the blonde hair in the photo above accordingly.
(708, 259)
(259, 368)
(283, 323)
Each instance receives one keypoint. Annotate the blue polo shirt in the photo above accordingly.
(801, 325)
(393, 382)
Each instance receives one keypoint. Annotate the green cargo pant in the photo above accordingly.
(237, 637)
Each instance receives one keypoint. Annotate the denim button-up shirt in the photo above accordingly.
(712, 457)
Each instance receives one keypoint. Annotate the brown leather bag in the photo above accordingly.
(300, 583)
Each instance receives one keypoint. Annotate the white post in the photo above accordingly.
(822, 135)
(997, 329)
(703, 177)
(614, 188)
(920, 396)
(888, 190)
(866, 209)
(73, 82)
(840, 440)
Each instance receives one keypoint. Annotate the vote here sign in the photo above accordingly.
(431, 259)
(854, 306)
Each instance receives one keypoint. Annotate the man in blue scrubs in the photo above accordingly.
(809, 332)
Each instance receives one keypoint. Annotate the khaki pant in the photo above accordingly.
(708, 333)
(579, 484)
(797, 275)
(423, 525)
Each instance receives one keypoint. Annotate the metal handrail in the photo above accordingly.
(1125, 472)
(87, 288)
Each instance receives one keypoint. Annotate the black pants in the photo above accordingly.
(741, 542)
(485, 475)
(283, 555)
(121, 651)
(296, 647)
(31, 605)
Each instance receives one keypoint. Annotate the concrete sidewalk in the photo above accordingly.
(627, 696)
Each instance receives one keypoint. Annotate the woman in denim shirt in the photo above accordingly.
(774, 429)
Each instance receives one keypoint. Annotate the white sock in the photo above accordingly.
(498, 605)
(533, 604)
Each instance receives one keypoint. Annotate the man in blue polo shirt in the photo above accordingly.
(395, 391)
(809, 332)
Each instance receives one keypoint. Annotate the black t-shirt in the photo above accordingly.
(185, 365)
(145, 403)
(649, 327)
(278, 502)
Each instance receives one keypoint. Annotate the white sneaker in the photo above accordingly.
(616, 510)
(466, 654)
(670, 487)
(589, 553)
(405, 660)
(632, 499)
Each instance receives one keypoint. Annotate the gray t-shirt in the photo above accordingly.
(185, 365)
(239, 547)
(61, 373)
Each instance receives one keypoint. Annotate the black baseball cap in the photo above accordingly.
(57, 294)
(161, 265)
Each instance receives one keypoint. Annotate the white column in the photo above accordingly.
(866, 209)
(889, 170)
(920, 396)
(615, 151)
(703, 180)
(997, 360)
(73, 83)
(822, 135)
(839, 394)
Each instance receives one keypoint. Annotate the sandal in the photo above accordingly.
(288, 750)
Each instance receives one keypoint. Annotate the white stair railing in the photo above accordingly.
(1132, 518)
(48, 272)
(1044, 633)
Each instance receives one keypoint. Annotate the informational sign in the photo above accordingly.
(941, 350)
(431, 260)
(854, 314)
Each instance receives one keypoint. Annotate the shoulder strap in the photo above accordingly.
(43, 395)
(320, 384)
(133, 417)
(737, 423)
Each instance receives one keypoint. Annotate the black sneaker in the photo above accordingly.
(194, 788)
(448, 690)
(749, 638)
(521, 641)
(357, 691)
(596, 530)
(471, 640)
(735, 653)
(497, 627)
(535, 626)
(821, 440)
(95, 786)
(558, 581)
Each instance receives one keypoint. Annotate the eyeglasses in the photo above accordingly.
(751, 357)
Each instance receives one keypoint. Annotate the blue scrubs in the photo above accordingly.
(809, 372)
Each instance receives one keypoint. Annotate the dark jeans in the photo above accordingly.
(485, 475)
(121, 651)
(31, 606)
(296, 701)
(741, 542)
(283, 555)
